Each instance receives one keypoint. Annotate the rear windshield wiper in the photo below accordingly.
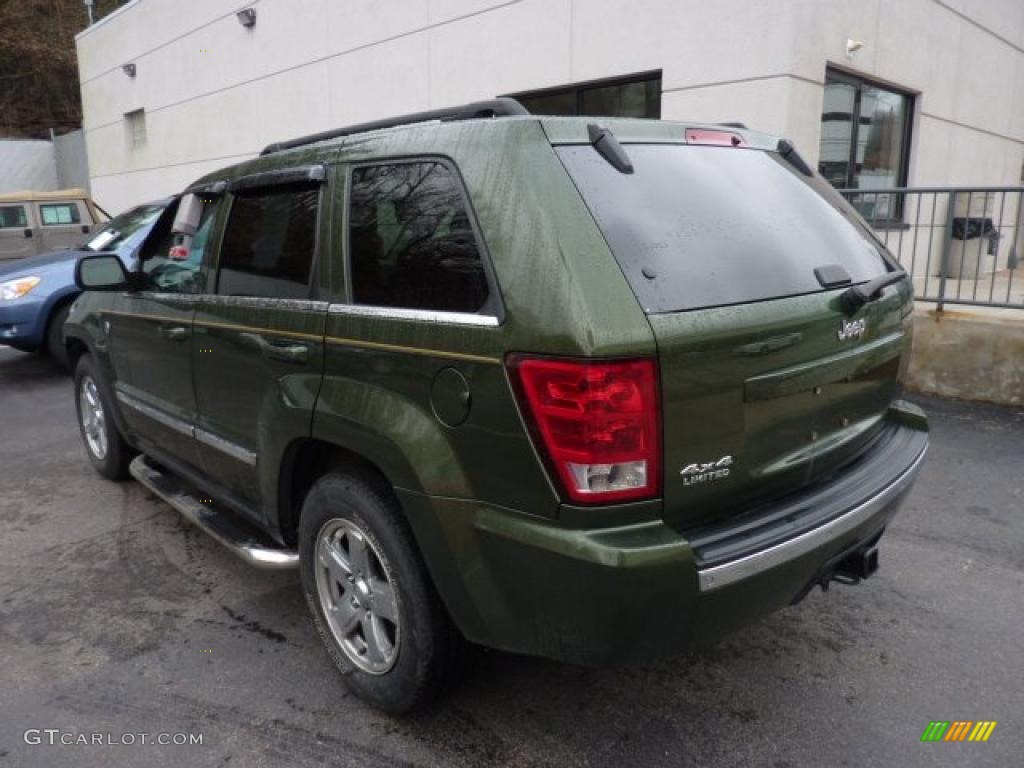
(856, 296)
(608, 147)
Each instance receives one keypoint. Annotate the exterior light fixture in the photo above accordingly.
(128, 69)
(247, 17)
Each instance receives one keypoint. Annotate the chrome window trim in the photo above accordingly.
(172, 422)
(435, 317)
(729, 573)
(258, 302)
(233, 450)
(163, 296)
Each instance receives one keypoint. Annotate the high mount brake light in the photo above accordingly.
(714, 138)
(596, 422)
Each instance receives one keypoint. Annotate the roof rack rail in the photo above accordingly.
(733, 125)
(503, 107)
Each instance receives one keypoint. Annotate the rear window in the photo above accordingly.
(699, 226)
(411, 241)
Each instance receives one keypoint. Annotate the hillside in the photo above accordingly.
(38, 68)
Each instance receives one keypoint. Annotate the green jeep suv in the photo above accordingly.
(593, 390)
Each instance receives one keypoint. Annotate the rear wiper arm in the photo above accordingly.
(856, 296)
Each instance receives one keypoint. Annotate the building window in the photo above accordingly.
(632, 96)
(135, 128)
(865, 141)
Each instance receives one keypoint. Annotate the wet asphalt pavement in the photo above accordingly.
(117, 618)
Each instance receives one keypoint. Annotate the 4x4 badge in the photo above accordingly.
(852, 329)
(706, 472)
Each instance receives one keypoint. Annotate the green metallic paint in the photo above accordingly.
(517, 568)
(771, 385)
(156, 365)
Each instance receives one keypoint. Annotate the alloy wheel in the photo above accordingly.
(94, 421)
(357, 596)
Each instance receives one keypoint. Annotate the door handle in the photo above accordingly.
(288, 352)
(28, 233)
(173, 333)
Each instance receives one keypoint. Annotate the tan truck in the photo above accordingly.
(38, 222)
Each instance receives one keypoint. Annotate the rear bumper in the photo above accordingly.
(630, 593)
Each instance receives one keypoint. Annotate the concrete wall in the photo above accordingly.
(951, 347)
(43, 166)
(215, 92)
(70, 160)
(26, 164)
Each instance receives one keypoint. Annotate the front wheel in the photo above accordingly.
(107, 450)
(55, 337)
(372, 601)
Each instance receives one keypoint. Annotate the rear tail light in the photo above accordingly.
(596, 423)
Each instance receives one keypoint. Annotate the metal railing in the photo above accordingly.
(961, 245)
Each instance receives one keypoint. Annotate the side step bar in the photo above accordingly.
(238, 536)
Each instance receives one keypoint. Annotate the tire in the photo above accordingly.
(106, 448)
(426, 647)
(55, 336)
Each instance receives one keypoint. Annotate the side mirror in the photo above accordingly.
(102, 272)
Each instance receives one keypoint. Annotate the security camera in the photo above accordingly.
(852, 46)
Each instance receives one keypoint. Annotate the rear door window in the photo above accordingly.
(269, 243)
(702, 226)
(411, 241)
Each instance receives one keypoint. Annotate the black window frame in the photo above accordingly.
(858, 82)
(76, 217)
(23, 219)
(285, 182)
(493, 307)
(588, 85)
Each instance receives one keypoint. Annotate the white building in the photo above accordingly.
(876, 93)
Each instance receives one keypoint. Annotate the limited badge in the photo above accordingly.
(706, 472)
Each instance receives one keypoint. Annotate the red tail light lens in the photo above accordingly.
(597, 424)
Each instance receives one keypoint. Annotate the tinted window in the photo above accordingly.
(411, 241)
(719, 226)
(60, 213)
(12, 216)
(174, 262)
(638, 96)
(269, 244)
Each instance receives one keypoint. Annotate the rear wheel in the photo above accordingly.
(55, 336)
(372, 601)
(107, 450)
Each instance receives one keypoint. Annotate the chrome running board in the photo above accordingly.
(238, 536)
